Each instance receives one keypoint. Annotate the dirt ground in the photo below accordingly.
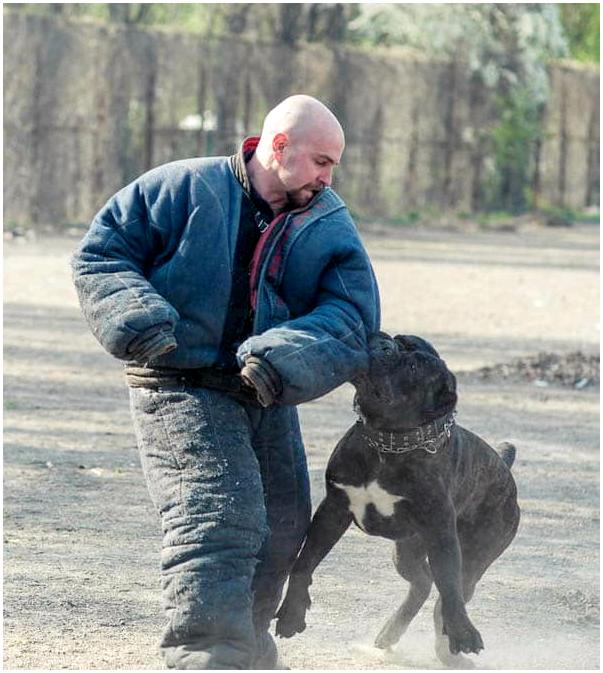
(81, 540)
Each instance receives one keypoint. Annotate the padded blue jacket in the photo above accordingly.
(156, 264)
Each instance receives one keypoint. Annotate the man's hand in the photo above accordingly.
(261, 376)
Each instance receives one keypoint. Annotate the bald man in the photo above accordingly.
(233, 288)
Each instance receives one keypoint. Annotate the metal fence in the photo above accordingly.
(87, 108)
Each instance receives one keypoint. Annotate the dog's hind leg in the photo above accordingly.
(411, 563)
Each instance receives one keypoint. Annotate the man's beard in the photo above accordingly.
(298, 198)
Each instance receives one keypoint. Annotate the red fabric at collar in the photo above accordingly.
(249, 144)
(257, 255)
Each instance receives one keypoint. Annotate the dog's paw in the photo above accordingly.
(463, 637)
(390, 634)
(288, 624)
(290, 619)
(456, 661)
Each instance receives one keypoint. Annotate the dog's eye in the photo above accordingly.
(387, 350)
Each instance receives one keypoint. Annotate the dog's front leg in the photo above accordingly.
(329, 523)
(444, 554)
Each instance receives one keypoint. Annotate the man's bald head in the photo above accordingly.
(301, 143)
(301, 116)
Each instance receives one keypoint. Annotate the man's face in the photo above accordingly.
(306, 166)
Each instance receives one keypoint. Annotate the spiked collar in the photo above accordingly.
(430, 437)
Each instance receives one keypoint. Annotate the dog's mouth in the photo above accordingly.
(376, 389)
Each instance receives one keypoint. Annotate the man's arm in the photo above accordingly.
(317, 352)
(125, 313)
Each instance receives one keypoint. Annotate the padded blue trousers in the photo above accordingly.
(231, 486)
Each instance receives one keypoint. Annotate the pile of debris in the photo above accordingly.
(575, 369)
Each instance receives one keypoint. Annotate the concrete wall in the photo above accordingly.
(87, 108)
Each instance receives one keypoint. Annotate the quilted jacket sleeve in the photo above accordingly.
(125, 313)
(319, 351)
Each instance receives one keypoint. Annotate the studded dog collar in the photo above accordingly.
(430, 437)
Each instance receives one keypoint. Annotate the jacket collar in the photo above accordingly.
(238, 164)
(239, 161)
(327, 198)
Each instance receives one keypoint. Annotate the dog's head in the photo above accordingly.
(407, 384)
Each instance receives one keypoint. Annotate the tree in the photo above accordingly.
(500, 43)
(288, 23)
(291, 23)
(581, 24)
(507, 48)
(129, 13)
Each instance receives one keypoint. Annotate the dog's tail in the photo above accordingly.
(507, 452)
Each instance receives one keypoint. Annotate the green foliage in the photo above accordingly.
(194, 17)
(479, 33)
(571, 215)
(271, 22)
(406, 219)
(499, 43)
(504, 46)
(581, 24)
(495, 220)
(513, 139)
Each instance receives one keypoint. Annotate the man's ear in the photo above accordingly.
(279, 142)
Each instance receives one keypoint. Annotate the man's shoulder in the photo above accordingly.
(330, 199)
(198, 178)
(196, 166)
(331, 207)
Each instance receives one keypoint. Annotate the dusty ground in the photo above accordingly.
(81, 540)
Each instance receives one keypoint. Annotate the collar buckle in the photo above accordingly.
(430, 447)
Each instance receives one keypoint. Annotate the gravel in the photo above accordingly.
(575, 369)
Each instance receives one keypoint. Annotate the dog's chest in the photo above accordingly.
(372, 493)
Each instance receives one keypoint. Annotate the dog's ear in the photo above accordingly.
(442, 396)
(409, 342)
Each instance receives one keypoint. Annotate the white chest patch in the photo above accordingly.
(372, 493)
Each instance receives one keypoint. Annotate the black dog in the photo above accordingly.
(407, 472)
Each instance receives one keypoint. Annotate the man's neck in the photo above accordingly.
(263, 182)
